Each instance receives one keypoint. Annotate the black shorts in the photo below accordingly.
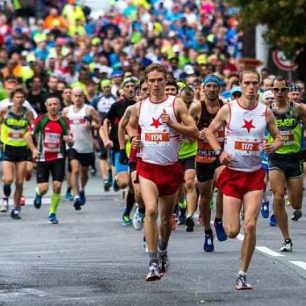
(55, 167)
(205, 172)
(15, 154)
(188, 163)
(132, 167)
(85, 159)
(290, 167)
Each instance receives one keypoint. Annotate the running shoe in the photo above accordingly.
(164, 261)
(297, 214)
(37, 200)
(144, 245)
(189, 224)
(115, 185)
(93, 172)
(182, 216)
(5, 205)
(200, 220)
(126, 220)
(273, 221)
(220, 230)
(154, 272)
(15, 213)
(82, 197)
(241, 283)
(286, 246)
(107, 185)
(265, 209)
(138, 220)
(208, 242)
(77, 203)
(22, 201)
(52, 219)
(69, 196)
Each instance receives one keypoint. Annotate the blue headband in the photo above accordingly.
(211, 78)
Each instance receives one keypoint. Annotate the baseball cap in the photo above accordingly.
(105, 83)
(267, 94)
(235, 89)
(188, 69)
(116, 73)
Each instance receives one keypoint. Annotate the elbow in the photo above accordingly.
(195, 132)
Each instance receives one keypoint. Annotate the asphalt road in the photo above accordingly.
(89, 258)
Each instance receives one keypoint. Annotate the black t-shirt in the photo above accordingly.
(38, 101)
(114, 115)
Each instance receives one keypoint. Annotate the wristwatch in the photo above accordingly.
(218, 152)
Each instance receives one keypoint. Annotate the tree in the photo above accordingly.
(285, 20)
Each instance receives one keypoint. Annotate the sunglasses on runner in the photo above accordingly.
(280, 89)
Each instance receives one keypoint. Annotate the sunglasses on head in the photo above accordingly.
(280, 89)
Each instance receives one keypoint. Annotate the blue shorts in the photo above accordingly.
(116, 163)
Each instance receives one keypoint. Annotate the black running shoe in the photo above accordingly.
(15, 214)
(164, 261)
(189, 224)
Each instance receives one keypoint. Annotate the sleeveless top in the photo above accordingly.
(159, 143)
(13, 128)
(205, 153)
(82, 135)
(244, 136)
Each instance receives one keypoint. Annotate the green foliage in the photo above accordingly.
(285, 20)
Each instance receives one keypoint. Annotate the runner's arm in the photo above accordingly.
(195, 111)
(274, 132)
(186, 125)
(123, 125)
(93, 114)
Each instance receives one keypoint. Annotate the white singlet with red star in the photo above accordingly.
(159, 143)
(244, 136)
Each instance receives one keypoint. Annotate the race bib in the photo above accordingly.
(247, 147)
(15, 135)
(288, 137)
(205, 153)
(52, 142)
(157, 138)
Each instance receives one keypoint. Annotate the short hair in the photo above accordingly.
(279, 78)
(53, 97)
(155, 67)
(249, 71)
(18, 89)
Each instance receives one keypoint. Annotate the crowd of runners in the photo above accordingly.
(179, 143)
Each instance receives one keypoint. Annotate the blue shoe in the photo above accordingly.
(77, 203)
(37, 201)
(126, 220)
(208, 242)
(69, 197)
(273, 221)
(220, 231)
(15, 213)
(82, 197)
(52, 219)
(265, 210)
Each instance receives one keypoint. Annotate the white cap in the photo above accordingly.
(267, 94)
(188, 69)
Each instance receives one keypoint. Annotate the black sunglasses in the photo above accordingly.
(280, 89)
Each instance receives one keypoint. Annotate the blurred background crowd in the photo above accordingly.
(53, 45)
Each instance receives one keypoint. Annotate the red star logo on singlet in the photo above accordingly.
(248, 125)
(155, 122)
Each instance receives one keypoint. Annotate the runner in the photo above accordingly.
(102, 103)
(52, 132)
(204, 111)
(82, 118)
(241, 180)
(14, 120)
(109, 135)
(187, 195)
(161, 119)
(285, 164)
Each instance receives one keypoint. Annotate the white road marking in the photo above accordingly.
(266, 250)
(301, 264)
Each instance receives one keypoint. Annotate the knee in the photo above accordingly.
(190, 185)
(151, 213)
(57, 187)
(231, 232)
(7, 180)
(249, 227)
